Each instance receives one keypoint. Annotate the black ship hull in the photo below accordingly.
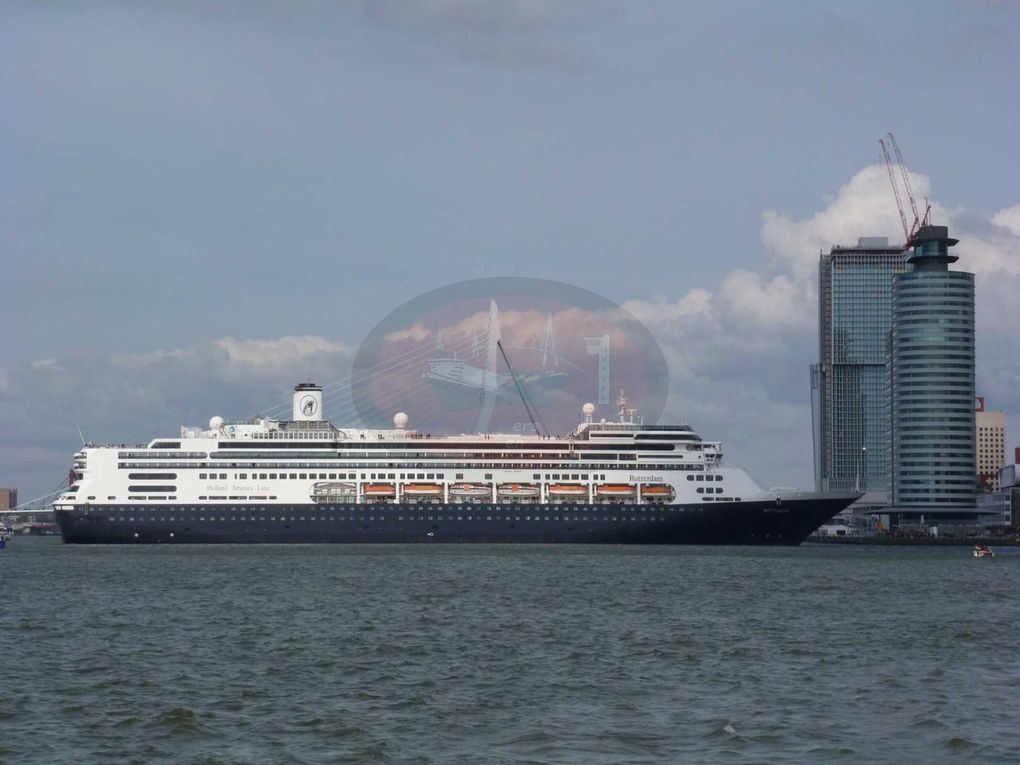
(767, 522)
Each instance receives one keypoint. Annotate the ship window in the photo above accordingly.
(461, 475)
(488, 475)
(690, 478)
(303, 475)
(223, 476)
(431, 475)
(332, 475)
(262, 476)
(701, 490)
(293, 475)
(272, 475)
(201, 475)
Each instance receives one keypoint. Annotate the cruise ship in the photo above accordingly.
(306, 480)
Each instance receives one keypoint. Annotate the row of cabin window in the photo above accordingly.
(431, 466)
(361, 518)
(262, 510)
(704, 477)
(385, 476)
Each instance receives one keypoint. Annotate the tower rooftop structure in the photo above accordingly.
(931, 249)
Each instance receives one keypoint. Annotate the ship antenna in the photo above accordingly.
(520, 390)
(81, 436)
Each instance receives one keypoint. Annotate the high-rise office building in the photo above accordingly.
(850, 391)
(991, 446)
(932, 383)
(8, 499)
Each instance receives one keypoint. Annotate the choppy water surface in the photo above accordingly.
(333, 654)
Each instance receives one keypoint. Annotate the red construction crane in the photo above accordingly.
(919, 220)
(895, 191)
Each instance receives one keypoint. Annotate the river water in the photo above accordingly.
(503, 654)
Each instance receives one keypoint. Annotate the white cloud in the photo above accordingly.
(281, 353)
(1008, 218)
(135, 397)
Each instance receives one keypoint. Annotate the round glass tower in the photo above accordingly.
(934, 445)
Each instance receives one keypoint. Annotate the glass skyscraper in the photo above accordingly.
(850, 386)
(932, 381)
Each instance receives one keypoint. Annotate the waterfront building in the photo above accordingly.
(849, 385)
(932, 385)
(8, 499)
(991, 446)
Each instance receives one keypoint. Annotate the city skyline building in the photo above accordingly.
(849, 384)
(8, 499)
(932, 384)
(991, 445)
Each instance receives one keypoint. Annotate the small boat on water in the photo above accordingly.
(983, 551)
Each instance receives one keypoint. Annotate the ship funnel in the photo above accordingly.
(307, 403)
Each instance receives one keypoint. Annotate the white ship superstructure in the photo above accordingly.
(306, 459)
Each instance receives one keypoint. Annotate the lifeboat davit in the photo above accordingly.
(470, 490)
(326, 492)
(423, 490)
(518, 490)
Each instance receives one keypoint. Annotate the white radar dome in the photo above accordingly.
(215, 423)
(400, 420)
(588, 408)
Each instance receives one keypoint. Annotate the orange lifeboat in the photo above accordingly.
(380, 490)
(423, 490)
(658, 492)
(568, 490)
(615, 490)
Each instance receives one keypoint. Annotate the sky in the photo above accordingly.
(203, 203)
